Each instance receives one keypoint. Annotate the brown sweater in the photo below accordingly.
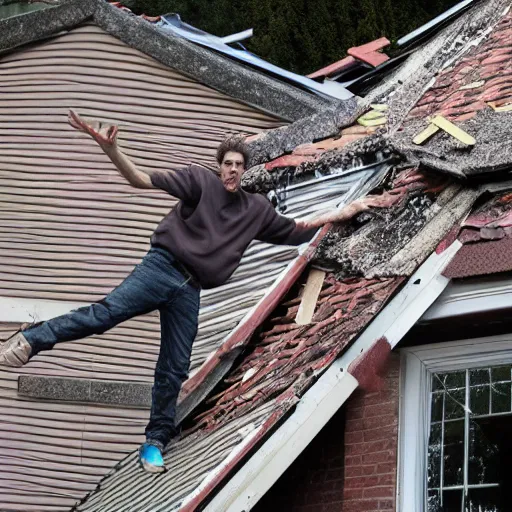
(210, 228)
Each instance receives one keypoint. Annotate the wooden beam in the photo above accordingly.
(310, 296)
(428, 132)
(453, 130)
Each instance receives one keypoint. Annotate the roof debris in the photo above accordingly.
(309, 296)
(453, 130)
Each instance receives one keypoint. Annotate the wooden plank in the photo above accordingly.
(507, 107)
(453, 130)
(428, 132)
(310, 296)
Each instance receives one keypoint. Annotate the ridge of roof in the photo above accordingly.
(206, 66)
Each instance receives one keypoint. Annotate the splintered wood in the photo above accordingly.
(310, 296)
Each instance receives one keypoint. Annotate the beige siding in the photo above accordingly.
(71, 229)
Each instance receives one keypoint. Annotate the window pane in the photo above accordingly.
(434, 502)
(434, 456)
(500, 397)
(484, 500)
(453, 453)
(454, 404)
(479, 376)
(437, 406)
(483, 457)
(453, 380)
(500, 373)
(452, 501)
(479, 400)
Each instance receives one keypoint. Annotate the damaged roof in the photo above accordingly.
(472, 89)
(486, 236)
(364, 283)
(253, 87)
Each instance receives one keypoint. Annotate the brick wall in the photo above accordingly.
(351, 464)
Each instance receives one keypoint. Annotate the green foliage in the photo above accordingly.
(301, 35)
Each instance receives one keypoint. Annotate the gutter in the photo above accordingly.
(332, 389)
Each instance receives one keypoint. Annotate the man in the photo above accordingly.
(197, 245)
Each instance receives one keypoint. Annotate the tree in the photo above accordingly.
(301, 35)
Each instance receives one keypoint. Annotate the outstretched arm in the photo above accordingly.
(385, 200)
(106, 137)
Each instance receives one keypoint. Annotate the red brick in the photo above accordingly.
(385, 420)
(387, 505)
(355, 460)
(361, 482)
(353, 437)
(389, 467)
(386, 491)
(377, 410)
(353, 494)
(355, 413)
(380, 433)
(360, 505)
(375, 458)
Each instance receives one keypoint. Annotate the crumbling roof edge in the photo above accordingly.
(239, 81)
(320, 125)
(330, 392)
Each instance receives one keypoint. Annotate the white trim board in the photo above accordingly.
(475, 295)
(418, 363)
(16, 310)
(331, 391)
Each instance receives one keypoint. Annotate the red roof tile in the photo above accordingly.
(487, 239)
(286, 354)
(334, 68)
(483, 75)
(369, 52)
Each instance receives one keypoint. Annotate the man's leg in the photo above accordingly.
(150, 285)
(178, 320)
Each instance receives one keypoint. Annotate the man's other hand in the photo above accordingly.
(104, 134)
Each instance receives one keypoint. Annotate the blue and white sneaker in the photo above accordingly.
(151, 458)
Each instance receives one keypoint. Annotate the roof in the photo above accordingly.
(486, 236)
(472, 90)
(229, 76)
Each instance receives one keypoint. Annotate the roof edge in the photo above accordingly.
(214, 70)
(310, 128)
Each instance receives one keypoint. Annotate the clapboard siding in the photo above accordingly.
(62, 204)
(55, 452)
(71, 229)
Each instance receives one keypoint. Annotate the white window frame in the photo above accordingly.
(417, 365)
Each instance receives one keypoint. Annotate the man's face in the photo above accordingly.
(231, 170)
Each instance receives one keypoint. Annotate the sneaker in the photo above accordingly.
(151, 458)
(15, 352)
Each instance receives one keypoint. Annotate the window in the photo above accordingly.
(455, 446)
(470, 411)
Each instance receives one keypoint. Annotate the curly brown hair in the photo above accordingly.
(235, 143)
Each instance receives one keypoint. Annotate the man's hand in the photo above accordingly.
(385, 200)
(104, 134)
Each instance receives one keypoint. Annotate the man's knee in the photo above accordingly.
(104, 316)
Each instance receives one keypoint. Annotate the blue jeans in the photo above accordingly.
(154, 284)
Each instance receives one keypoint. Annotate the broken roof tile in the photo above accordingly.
(487, 238)
(487, 65)
(370, 53)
